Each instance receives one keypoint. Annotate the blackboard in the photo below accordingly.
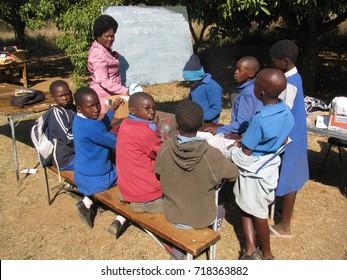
(154, 43)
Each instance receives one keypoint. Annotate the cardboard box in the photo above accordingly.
(337, 122)
(123, 110)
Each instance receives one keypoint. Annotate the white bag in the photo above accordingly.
(339, 106)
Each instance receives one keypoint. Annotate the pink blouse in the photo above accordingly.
(104, 70)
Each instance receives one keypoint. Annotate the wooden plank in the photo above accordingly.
(193, 241)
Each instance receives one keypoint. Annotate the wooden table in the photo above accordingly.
(13, 112)
(19, 64)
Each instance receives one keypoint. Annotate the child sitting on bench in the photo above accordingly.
(137, 146)
(59, 125)
(189, 170)
(94, 170)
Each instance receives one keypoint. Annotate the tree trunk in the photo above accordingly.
(20, 34)
(310, 60)
(310, 64)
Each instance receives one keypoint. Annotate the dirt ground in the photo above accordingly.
(30, 229)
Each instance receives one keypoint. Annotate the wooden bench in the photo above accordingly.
(193, 242)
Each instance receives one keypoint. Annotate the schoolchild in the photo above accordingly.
(203, 89)
(137, 147)
(245, 104)
(258, 160)
(294, 172)
(59, 125)
(190, 170)
(94, 170)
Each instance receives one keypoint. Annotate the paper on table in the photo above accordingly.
(322, 121)
(218, 141)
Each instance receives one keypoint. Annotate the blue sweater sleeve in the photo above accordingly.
(214, 96)
(243, 115)
(107, 119)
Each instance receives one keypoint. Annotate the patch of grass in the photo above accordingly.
(36, 40)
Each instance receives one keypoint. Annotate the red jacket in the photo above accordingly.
(136, 150)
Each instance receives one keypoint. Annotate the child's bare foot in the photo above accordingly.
(277, 231)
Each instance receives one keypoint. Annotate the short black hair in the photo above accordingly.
(57, 83)
(285, 49)
(252, 63)
(103, 23)
(189, 116)
(134, 98)
(81, 93)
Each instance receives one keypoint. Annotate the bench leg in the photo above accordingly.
(47, 186)
(189, 257)
(212, 252)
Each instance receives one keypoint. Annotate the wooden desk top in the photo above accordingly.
(13, 64)
(6, 109)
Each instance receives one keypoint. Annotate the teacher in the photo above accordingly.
(103, 64)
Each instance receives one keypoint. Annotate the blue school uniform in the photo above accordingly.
(294, 170)
(268, 129)
(94, 171)
(208, 94)
(244, 107)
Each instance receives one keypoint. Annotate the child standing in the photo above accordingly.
(137, 146)
(190, 170)
(203, 89)
(294, 168)
(59, 125)
(258, 159)
(94, 171)
(246, 104)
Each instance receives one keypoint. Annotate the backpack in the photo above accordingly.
(39, 136)
(27, 99)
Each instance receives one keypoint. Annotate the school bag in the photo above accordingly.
(29, 98)
(39, 136)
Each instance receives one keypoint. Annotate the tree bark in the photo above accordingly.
(19, 30)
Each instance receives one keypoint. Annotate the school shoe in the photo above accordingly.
(115, 228)
(256, 255)
(87, 215)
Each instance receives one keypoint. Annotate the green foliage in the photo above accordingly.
(77, 25)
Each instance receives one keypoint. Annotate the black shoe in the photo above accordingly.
(115, 228)
(86, 215)
(256, 255)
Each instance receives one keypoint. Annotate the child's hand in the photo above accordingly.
(233, 136)
(211, 129)
(156, 120)
(116, 103)
(237, 143)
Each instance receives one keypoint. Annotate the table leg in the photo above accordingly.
(13, 135)
(25, 75)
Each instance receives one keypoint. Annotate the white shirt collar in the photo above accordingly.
(291, 72)
(81, 115)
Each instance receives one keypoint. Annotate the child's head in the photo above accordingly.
(246, 69)
(87, 102)
(61, 93)
(193, 72)
(268, 85)
(142, 105)
(189, 117)
(284, 54)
